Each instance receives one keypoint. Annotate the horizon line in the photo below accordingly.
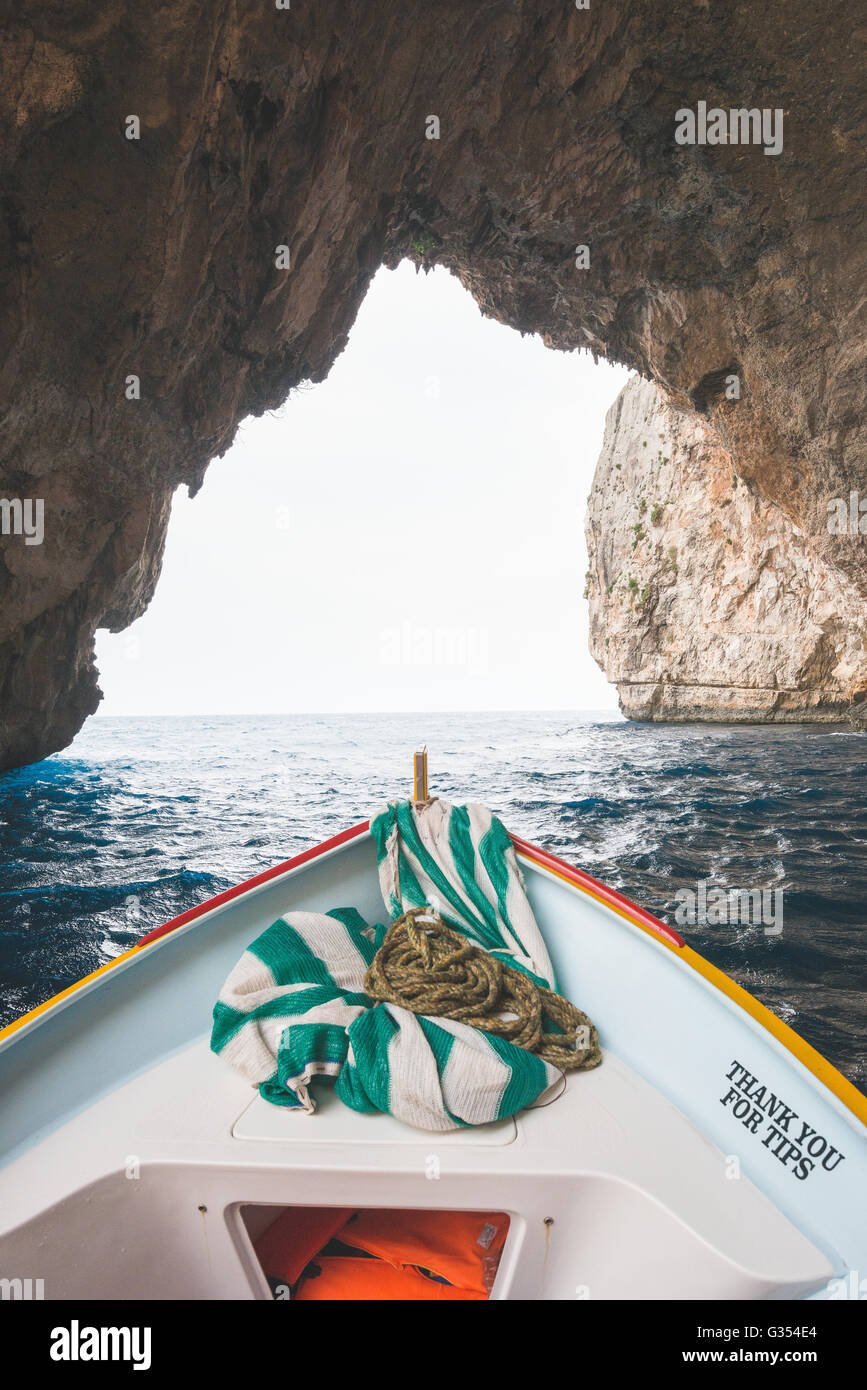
(298, 714)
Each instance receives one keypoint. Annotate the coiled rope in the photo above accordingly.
(426, 967)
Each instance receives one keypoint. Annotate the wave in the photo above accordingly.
(141, 819)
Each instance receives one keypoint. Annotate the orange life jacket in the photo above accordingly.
(348, 1279)
(412, 1252)
(290, 1242)
(459, 1246)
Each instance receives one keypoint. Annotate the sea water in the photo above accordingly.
(142, 818)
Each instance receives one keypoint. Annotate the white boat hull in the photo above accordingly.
(135, 1160)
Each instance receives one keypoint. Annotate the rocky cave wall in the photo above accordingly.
(155, 257)
(706, 600)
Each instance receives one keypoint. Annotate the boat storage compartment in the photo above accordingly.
(382, 1254)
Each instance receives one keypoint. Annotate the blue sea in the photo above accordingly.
(142, 818)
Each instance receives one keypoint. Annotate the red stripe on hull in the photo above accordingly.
(601, 890)
(541, 856)
(193, 912)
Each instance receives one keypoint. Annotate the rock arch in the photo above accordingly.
(306, 127)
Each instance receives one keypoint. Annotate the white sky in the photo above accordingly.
(406, 536)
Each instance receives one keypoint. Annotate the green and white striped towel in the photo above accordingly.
(294, 1007)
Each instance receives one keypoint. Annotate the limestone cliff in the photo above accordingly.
(154, 158)
(706, 600)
